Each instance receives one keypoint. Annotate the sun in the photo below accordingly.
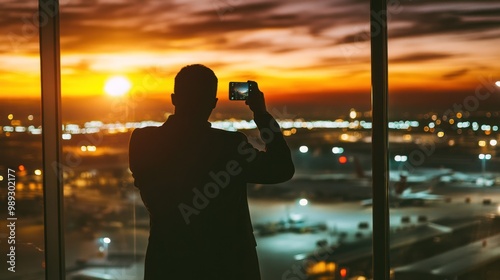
(117, 86)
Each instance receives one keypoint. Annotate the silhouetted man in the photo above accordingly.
(193, 178)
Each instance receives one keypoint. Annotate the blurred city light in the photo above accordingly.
(106, 240)
(481, 143)
(493, 142)
(38, 172)
(88, 148)
(485, 156)
(400, 158)
(497, 83)
(290, 127)
(337, 150)
(343, 272)
(342, 159)
(303, 149)
(352, 114)
(303, 202)
(66, 136)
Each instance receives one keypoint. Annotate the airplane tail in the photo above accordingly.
(402, 185)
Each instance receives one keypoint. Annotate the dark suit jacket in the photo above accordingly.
(192, 179)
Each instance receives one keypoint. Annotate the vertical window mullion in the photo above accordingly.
(51, 125)
(380, 165)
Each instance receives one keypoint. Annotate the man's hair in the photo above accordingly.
(196, 81)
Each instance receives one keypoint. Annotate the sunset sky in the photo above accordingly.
(289, 47)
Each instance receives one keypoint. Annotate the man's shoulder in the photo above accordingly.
(147, 132)
(145, 129)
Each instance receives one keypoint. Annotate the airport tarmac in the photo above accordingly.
(278, 253)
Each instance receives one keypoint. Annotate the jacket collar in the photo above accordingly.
(179, 122)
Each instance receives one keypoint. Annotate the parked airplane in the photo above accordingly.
(478, 180)
(348, 186)
(401, 194)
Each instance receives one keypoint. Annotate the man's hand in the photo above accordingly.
(255, 99)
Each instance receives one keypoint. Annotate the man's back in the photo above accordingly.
(193, 179)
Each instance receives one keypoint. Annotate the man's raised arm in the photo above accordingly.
(274, 165)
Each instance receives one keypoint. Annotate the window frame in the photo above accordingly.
(52, 133)
(380, 142)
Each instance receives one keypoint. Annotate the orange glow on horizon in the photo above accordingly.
(292, 51)
(159, 79)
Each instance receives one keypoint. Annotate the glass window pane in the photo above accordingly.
(444, 97)
(311, 60)
(21, 171)
(106, 224)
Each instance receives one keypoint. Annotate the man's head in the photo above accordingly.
(195, 91)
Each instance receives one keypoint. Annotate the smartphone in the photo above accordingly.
(239, 90)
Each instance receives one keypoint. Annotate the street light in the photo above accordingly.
(293, 217)
(484, 158)
(303, 149)
(400, 158)
(303, 202)
(337, 150)
(105, 244)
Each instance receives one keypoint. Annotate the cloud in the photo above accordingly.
(126, 25)
(318, 38)
(455, 74)
(427, 18)
(420, 57)
(354, 38)
(445, 22)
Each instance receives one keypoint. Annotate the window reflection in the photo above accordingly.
(287, 47)
(447, 162)
(21, 172)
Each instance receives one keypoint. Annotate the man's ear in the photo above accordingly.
(173, 97)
